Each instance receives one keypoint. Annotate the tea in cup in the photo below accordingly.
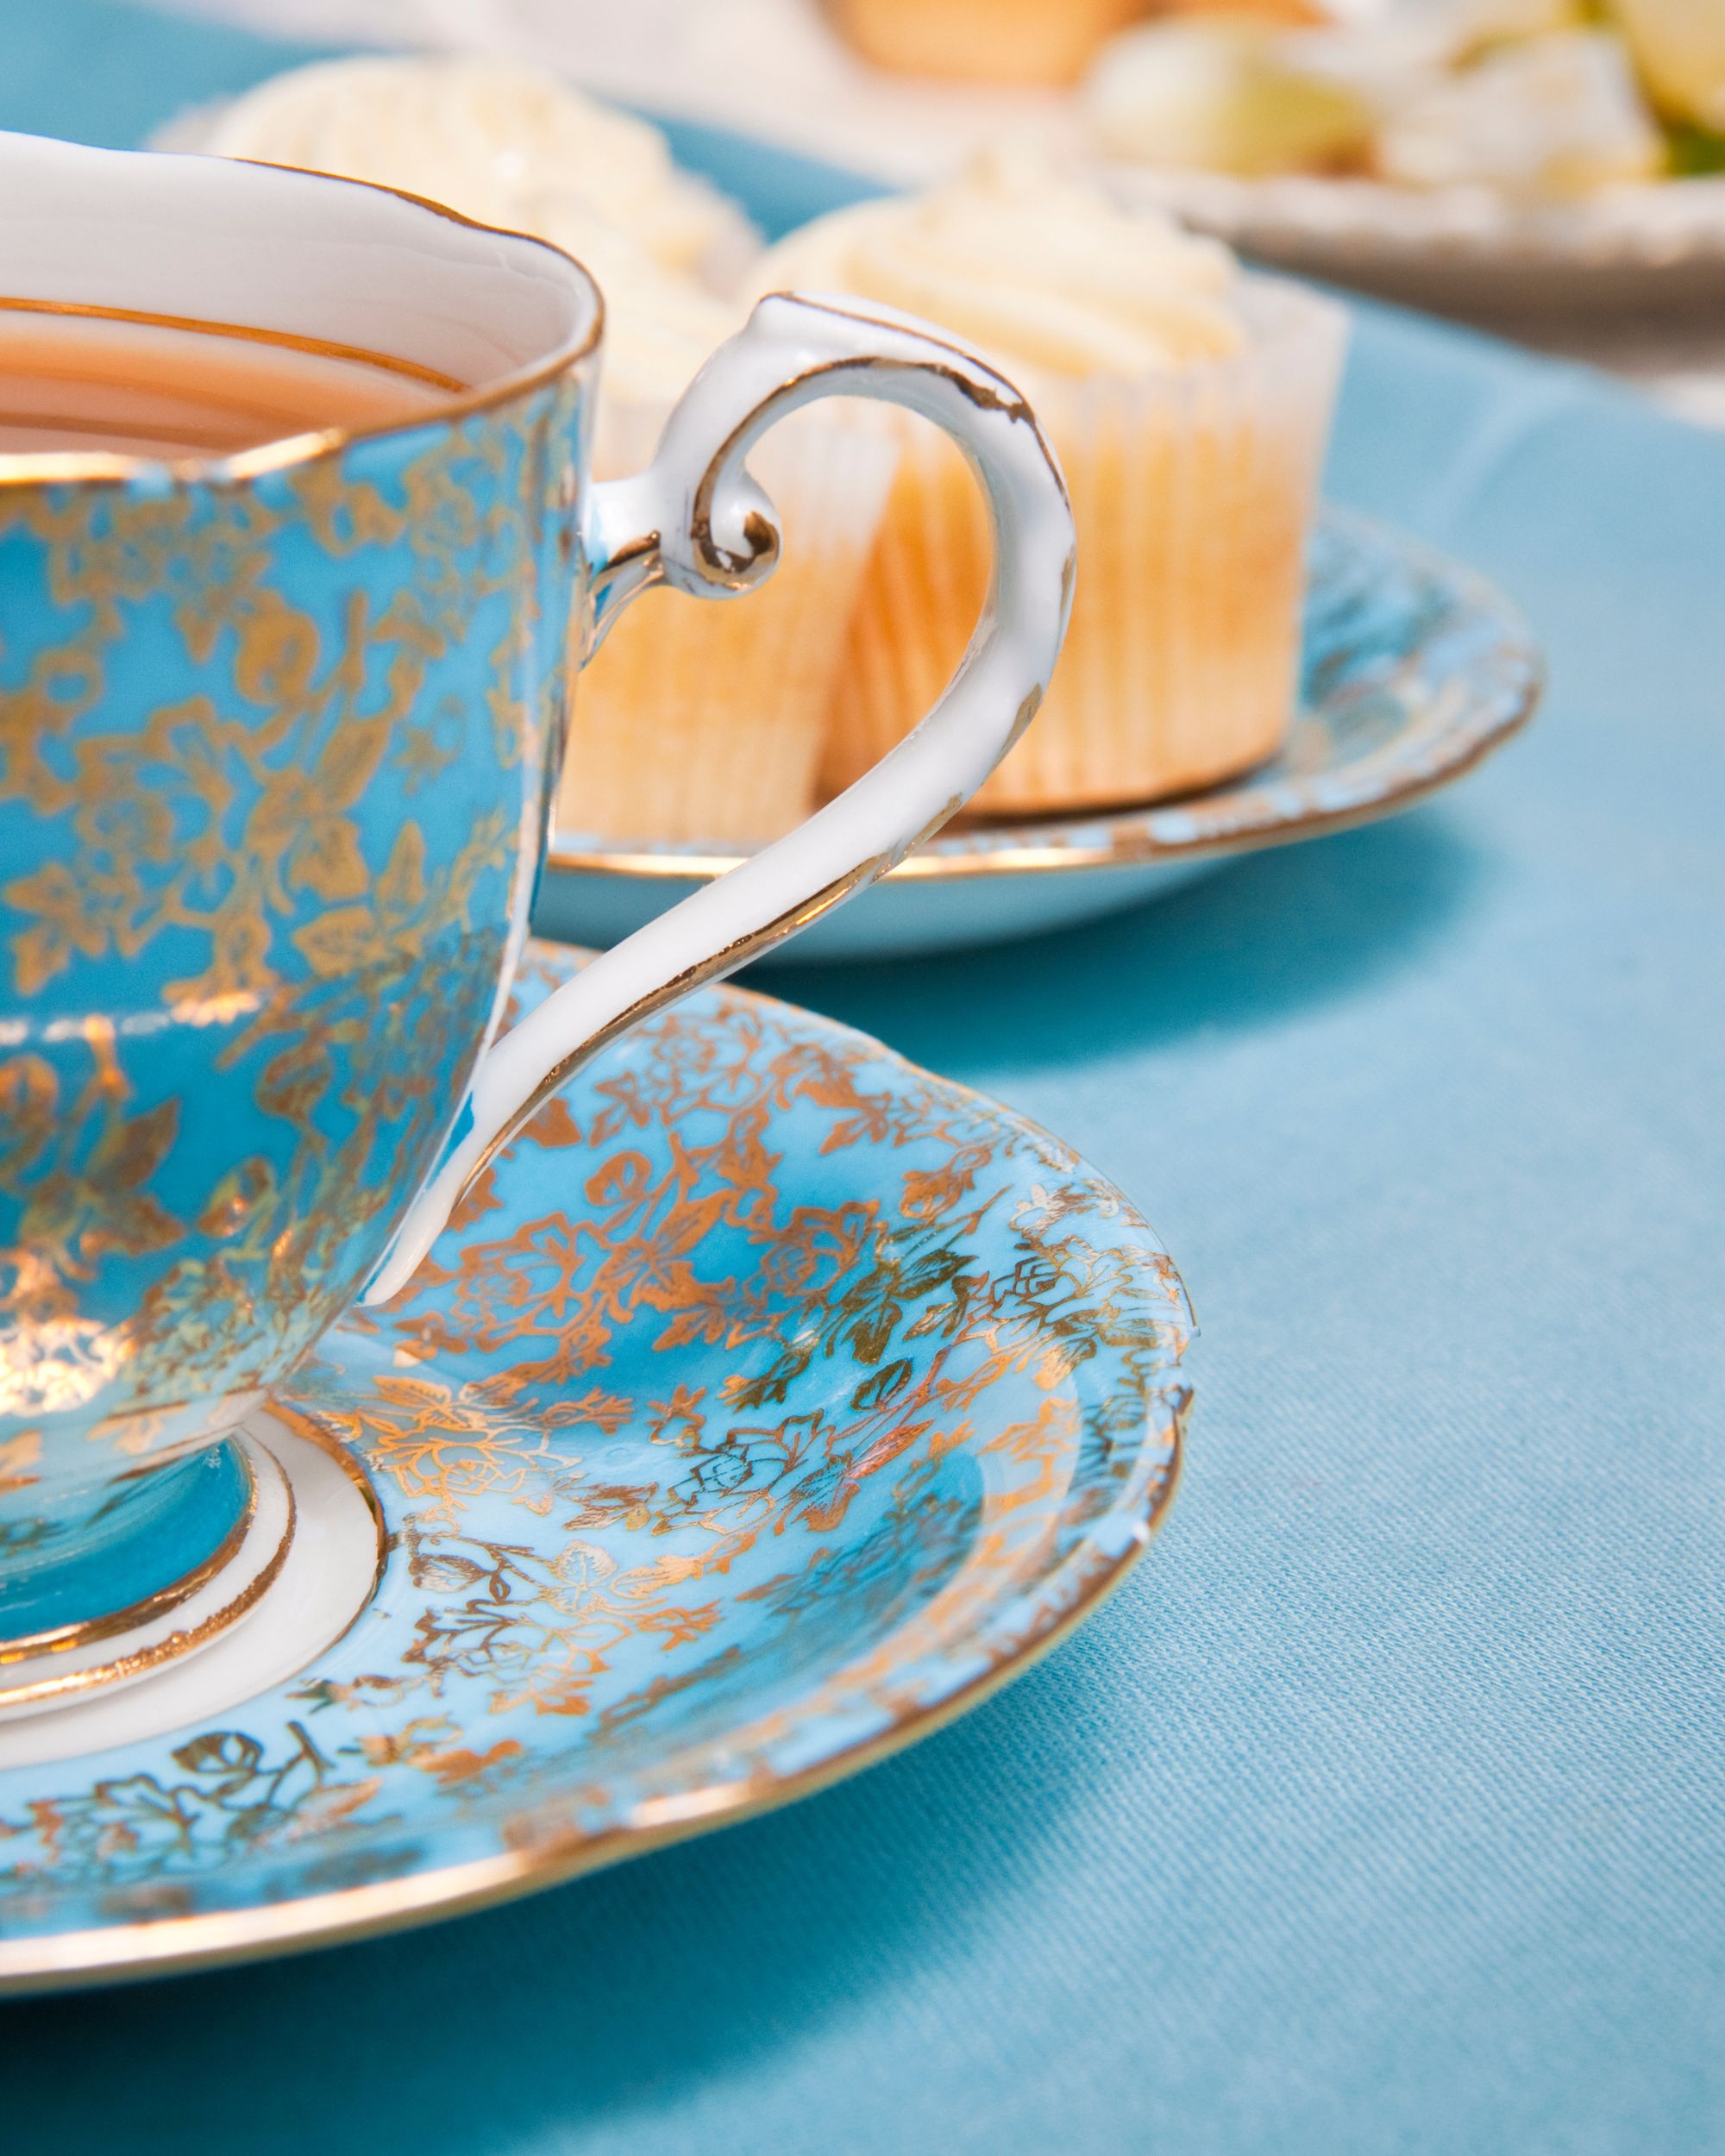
(296, 532)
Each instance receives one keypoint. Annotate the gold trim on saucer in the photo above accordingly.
(82, 1958)
(730, 959)
(1130, 846)
(85, 1633)
(1123, 835)
(303, 1426)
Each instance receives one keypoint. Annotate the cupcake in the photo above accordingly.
(504, 142)
(693, 721)
(1189, 406)
(698, 719)
(1025, 41)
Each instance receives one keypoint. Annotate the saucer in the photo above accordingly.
(1413, 669)
(767, 1405)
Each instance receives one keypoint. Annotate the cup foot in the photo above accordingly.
(328, 1571)
(134, 1546)
(232, 1506)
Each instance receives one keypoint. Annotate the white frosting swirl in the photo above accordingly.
(511, 146)
(498, 139)
(659, 328)
(1039, 268)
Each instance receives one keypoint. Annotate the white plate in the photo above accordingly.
(1655, 247)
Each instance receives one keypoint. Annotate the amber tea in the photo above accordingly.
(84, 381)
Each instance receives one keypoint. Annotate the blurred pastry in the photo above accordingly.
(1553, 116)
(1189, 406)
(693, 721)
(1224, 95)
(701, 719)
(1288, 14)
(1528, 97)
(1680, 47)
(982, 41)
(503, 141)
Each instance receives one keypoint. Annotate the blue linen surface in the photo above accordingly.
(1380, 1811)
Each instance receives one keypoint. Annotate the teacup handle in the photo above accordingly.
(696, 519)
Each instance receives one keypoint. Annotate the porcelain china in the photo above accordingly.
(277, 734)
(1413, 668)
(769, 1402)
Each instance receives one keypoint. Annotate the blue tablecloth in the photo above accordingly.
(1382, 1810)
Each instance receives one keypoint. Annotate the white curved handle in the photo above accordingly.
(696, 519)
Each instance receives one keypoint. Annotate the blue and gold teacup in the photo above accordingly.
(278, 734)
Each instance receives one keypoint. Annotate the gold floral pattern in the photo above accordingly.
(274, 757)
(770, 1397)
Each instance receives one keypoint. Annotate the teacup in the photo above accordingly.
(278, 735)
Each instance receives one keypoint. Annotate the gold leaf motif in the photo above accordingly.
(129, 1153)
(63, 924)
(807, 1539)
(237, 825)
(17, 1456)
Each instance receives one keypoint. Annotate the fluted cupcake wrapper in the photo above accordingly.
(704, 720)
(1192, 493)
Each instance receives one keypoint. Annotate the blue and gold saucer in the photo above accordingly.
(768, 1403)
(1413, 670)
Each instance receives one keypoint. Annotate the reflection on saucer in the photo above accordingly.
(768, 1403)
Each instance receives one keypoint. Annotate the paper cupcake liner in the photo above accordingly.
(1192, 494)
(704, 719)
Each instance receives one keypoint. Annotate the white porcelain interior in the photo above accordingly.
(266, 248)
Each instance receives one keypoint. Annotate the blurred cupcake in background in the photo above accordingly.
(694, 721)
(1189, 406)
(503, 141)
(700, 719)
